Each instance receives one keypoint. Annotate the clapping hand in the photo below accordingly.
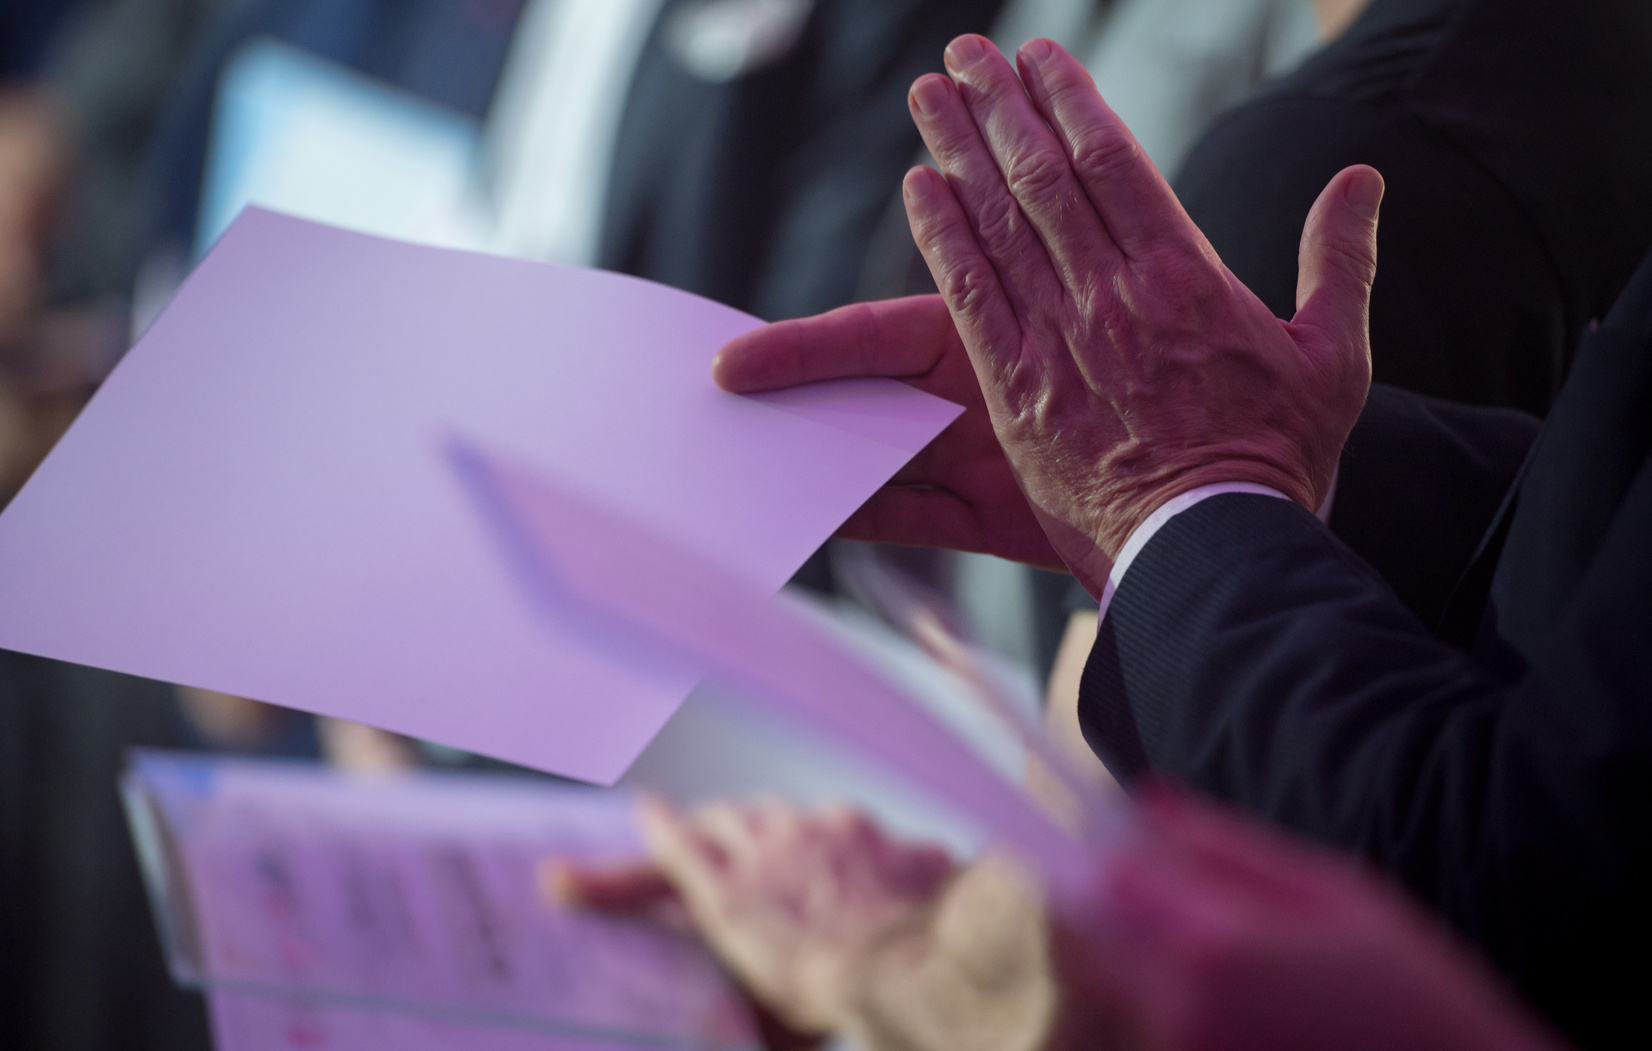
(1116, 361)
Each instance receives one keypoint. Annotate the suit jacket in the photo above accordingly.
(1516, 139)
(764, 191)
(1506, 778)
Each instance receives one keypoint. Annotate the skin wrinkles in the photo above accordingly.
(1105, 358)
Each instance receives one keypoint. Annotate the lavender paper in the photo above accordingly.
(258, 502)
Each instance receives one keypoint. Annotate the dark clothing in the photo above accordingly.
(1516, 140)
(767, 192)
(28, 30)
(1252, 654)
(1421, 481)
(115, 72)
(763, 192)
(79, 957)
(80, 961)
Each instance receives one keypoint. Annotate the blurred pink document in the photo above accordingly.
(258, 500)
(320, 909)
(633, 590)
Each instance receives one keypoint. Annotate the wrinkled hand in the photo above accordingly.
(960, 491)
(1115, 360)
(794, 904)
(1121, 363)
(1212, 932)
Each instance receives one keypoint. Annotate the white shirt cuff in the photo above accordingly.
(1176, 505)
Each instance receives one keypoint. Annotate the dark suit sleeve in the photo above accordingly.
(1251, 655)
(1420, 483)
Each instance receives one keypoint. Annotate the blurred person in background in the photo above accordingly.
(32, 148)
(79, 957)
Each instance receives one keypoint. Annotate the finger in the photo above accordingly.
(1000, 227)
(1338, 261)
(770, 817)
(690, 860)
(738, 831)
(923, 516)
(968, 280)
(898, 338)
(1134, 202)
(613, 888)
(925, 866)
(844, 821)
(916, 516)
(1034, 164)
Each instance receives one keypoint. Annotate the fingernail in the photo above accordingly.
(1364, 194)
(929, 94)
(1037, 51)
(964, 51)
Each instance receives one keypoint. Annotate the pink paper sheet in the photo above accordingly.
(257, 500)
(639, 593)
(322, 909)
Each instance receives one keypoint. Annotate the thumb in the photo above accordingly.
(1338, 259)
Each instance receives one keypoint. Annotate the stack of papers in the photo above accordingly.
(321, 910)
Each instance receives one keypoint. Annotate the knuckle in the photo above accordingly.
(1036, 174)
(1105, 153)
(1090, 292)
(968, 288)
(999, 221)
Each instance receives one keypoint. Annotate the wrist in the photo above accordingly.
(1122, 523)
(1142, 532)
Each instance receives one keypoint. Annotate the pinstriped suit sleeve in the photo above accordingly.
(1251, 655)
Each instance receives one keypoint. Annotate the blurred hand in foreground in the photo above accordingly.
(1213, 932)
(796, 905)
(1116, 359)
(1207, 932)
